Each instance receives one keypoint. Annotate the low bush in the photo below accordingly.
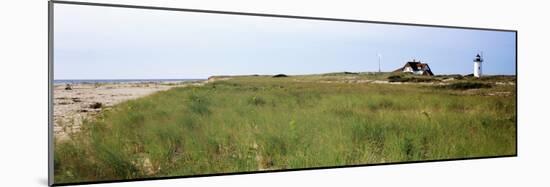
(467, 85)
(403, 78)
(279, 75)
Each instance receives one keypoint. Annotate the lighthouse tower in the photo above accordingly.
(477, 65)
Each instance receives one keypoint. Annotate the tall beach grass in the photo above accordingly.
(264, 123)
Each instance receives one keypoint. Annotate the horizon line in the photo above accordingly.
(374, 72)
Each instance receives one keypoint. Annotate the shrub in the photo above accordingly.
(395, 78)
(279, 75)
(400, 78)
(467, 85)
(350, 73)
(422, 79)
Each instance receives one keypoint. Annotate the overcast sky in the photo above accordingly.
(120, 43)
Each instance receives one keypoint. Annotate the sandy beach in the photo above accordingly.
(84, 101)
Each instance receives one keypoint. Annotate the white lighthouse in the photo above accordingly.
(477, 65)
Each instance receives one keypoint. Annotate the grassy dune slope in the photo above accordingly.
(262, 123)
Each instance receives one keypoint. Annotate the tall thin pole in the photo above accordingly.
(379, 59)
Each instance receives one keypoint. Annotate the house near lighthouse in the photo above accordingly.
(415, 67)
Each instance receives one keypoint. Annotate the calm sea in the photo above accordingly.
(125, 81)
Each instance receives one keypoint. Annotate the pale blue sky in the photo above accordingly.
(121, 43)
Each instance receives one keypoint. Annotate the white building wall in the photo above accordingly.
(477, 69)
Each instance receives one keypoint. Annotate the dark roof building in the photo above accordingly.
(416, 67)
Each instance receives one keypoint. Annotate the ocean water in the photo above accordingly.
(122, 81)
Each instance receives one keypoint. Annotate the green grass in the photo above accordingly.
(264, 123)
